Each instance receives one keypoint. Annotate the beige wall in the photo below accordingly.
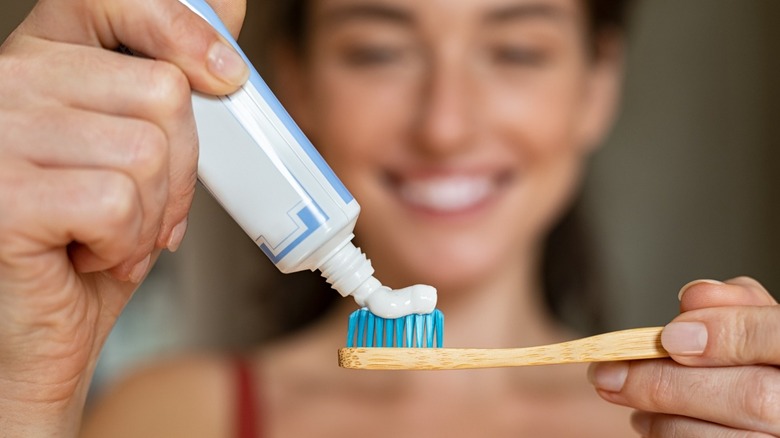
(687, 186)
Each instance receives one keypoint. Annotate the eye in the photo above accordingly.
(370, 56)
(518, 56)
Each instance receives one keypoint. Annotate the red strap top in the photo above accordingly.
(247, 413)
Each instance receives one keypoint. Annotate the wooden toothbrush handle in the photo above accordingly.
(639, 343)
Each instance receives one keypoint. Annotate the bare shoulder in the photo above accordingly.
(183, 397)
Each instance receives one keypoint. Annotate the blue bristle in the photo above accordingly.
(439, 325)
(429, 329)
(380, 324)
(409, 327)
(399, 333)
(351, 330)
(389, 330)
(361, 328)
(418, 330)
(370, 330)
(413, 331)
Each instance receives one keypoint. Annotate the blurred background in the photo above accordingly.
(687, 186)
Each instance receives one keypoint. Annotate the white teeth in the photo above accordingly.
(446, 194)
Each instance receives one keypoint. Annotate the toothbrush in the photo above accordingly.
(639, 343)
(412, 331)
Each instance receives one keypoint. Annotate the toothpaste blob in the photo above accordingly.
(390, 304)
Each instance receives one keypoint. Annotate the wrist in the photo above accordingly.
(19, 419)
(27, 411)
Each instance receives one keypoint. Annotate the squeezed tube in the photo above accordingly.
(268, 176)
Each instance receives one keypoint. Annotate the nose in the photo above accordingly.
(445, 113)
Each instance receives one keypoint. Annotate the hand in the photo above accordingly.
(724, 379)
(98, 162)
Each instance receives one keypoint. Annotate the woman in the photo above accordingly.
(461, 127)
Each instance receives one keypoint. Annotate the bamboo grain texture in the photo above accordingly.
(639, 343)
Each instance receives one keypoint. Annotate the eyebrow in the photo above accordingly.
(388, 13)
(371, 11)
(523, 11)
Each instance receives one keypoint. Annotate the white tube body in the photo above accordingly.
(263, 170)
(269, 182)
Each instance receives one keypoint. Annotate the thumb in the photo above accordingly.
(165, 30)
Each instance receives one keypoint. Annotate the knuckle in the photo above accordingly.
(761, 395)
(170, 89)
(660, 388)
(149, 147)
(117, 200)
(741, 339)
(745, 339)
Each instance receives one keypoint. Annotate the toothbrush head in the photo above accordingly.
(411, 331)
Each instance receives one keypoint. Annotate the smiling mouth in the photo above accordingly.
(449, 194)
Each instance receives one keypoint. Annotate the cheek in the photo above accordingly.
(356, 121)
(540, 121)
(539, 117)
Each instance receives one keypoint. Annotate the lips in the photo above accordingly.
(448, 194)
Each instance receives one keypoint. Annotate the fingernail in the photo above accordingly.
(177, 235)
(640, 421)
(684, 338)
(225, 63)
(608, 376)
(139, 270)
(694, 283)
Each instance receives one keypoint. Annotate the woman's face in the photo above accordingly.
(460, 126)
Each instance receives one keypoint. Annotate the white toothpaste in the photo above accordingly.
(267, 175)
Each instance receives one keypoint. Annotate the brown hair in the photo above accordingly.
(290, 19)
